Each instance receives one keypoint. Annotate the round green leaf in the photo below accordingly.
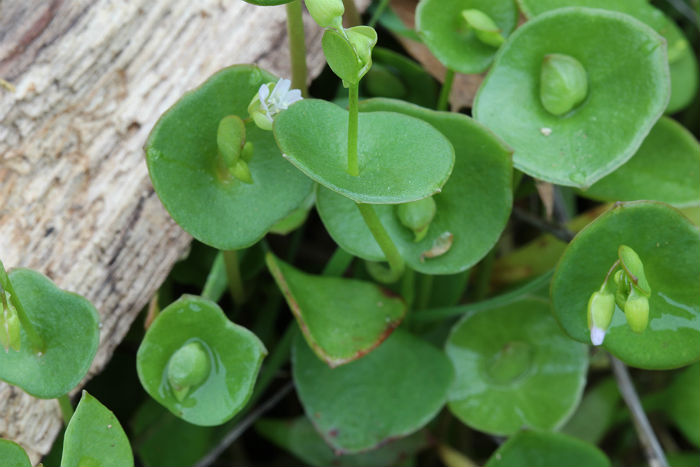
(668, 245)
(473, 206)
(683, 64)
(665, 168)
(235, 355)
(444, 30)
(416, 85)
(514, 368)
(401, 158)
(682, 403)
(69, 326)
(191, 180)
(13, 455)
(94, 437)
(628, 88)
(392, 392)
(542, 449)
(342, 319)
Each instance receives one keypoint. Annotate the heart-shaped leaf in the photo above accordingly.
(447, 34)
(234, 356)
(683, 64)
(401, 158)
(342, 319)
(514, 368)
(665, 168)
(628, 88)
(668, 246)
(299, 437)
(95, 437)
(392, 392)
(67, 323)
(542, 449)
(473, 206)
(13, 455)
(191, 180)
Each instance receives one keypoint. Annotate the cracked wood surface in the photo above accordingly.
(91, 78)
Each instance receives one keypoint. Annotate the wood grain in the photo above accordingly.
(76, 203)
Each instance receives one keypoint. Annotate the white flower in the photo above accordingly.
(597, 335)
(270, 100)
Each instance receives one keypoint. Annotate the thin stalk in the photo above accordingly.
(396, 262)
(353, 117)
(297, 47)
(444, 98)
(66, 408)
(216, 282)
(652, 449)
(483, 275)
(352, 17)
(378, 12)
(233, 273)
(425, 289)
(338, 263)
(37, 343)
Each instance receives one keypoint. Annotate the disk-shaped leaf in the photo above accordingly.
(13, 455)
(234, 355)
(342, 319)
(543, 449)
(299, 437)
(392, 392)
(682, 403)
(628, 88)
(668, 246)
(68, 325)
(445, 31)
(665, 168)
(94, 437)
(416, 84)
(401, 158)
(514, 369)
(195, 186)
(683, 64)
(473, 206)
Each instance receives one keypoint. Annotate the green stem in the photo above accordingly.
(352, 17)
(353, 164)
(483, 276)
(297, 47)
(66, 408)
(338, 263)
(35, 340)
(216, 282)
(396, 262)
(444, 98)
(233, 272)
(378, 12)
(425, 288)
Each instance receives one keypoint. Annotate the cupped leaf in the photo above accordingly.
(682, 403)
(13, 455)
(194, 184)
(444, 29)
(392, 392)
(473, 206)
(543, 449)
(67, 323)
(401, 158)
(234, 355)
(668, 245)
(414, 83)
(299, 437)
(342, 319)
(94, 437)
(514, 368)
(683, 64)
(665, 168)
(628, 88)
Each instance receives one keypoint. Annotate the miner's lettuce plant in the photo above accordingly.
(434, 321)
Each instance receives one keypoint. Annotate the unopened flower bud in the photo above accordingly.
(188, 368)
(563, 83)
(9, 324)
(417, 216)
(637, 311)
(326, 13)
(601, 307)
(484, 28)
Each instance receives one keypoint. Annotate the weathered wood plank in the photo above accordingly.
(91, 78)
